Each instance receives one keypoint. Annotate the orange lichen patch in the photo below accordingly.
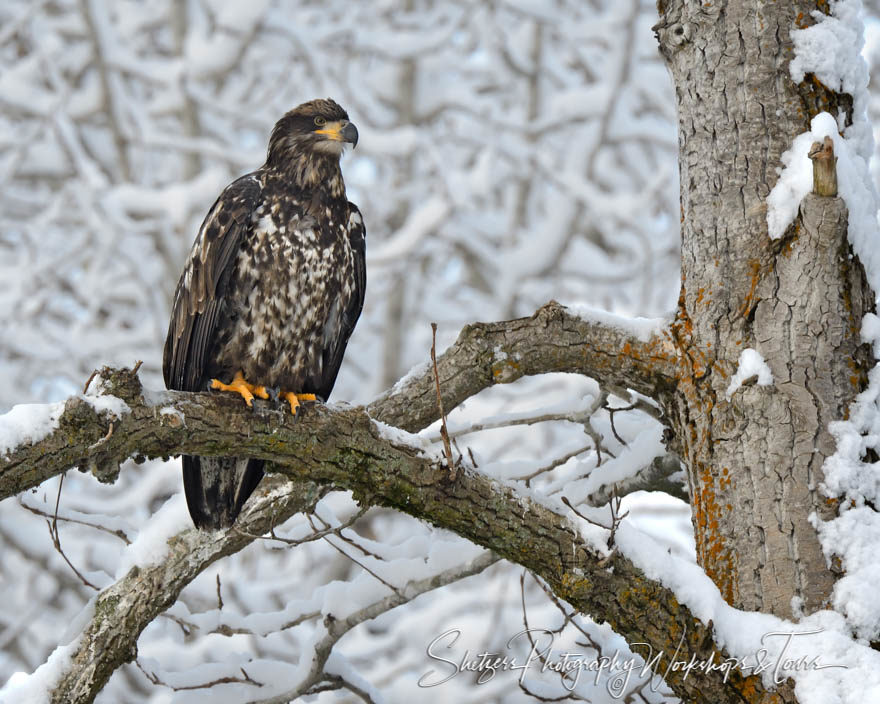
(755, 266)
(752, 690)
(505, 370)
(792, 233)
(712, 552)
(718, 368)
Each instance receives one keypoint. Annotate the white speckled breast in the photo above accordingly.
(294, 273)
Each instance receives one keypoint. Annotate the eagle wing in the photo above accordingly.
(198, 300)
(215, 487)
(344, 316)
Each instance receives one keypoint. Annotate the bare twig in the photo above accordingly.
(155, 679)
(219, 595)
(444, 431)
(334, 682)
(316, 535)
(103, 439)
(358, 563)
(558, 462)
(339, 627)
(534, 648)
(89, 380)
(616, 518)
(56, 538)
(97, 526)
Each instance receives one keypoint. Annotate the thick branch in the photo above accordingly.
(345, 448)
(551, 340)
(125, 609)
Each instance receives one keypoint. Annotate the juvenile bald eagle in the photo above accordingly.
(271, 292)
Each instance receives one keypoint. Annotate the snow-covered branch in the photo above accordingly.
(621, 353)
(98, 432)
(344, 447)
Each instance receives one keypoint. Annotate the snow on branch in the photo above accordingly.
(92, 433)
(555, 339)
(344, 447)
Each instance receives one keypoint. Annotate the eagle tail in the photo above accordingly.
(217, 487)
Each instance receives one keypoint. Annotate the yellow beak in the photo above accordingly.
(340, 131)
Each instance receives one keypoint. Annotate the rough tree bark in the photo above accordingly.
(755, 460)
(344, 448)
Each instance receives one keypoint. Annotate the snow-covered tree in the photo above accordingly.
(511, 152)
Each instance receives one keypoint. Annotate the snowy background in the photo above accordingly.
(510, 152)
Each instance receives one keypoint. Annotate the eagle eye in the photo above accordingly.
(320, 121)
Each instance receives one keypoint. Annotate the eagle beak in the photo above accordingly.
(350, 134)
(340, 131)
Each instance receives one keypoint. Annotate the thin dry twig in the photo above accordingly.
(444, 431)
(316, 535)
(534, 648)
(357, 562)
(103, 439)
(219, 594)
(155, 679)
(616, 518)
(89, 380)
(338, 532)
(558, 462)
(97, 526)
(56, 538)
(332, 683)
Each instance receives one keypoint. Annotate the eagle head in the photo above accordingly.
(316, 128)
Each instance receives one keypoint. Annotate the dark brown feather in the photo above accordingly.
(273, 287)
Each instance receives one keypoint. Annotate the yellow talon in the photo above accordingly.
(294, 399)
(242, 387)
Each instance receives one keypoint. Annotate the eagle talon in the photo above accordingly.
(295, 400)
(242, 387)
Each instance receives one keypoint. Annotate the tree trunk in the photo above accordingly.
(755, 459)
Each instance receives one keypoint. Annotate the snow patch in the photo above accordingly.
(751, 364)
(854, 185)
(174, 413)
(151, 545)
(843, 671)
(416, 371)
(28, 423)
(106, 403)
(643, 329)
(398, 436)
(38, 686)
(831, 49)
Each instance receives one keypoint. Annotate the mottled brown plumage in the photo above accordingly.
(273, 287)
